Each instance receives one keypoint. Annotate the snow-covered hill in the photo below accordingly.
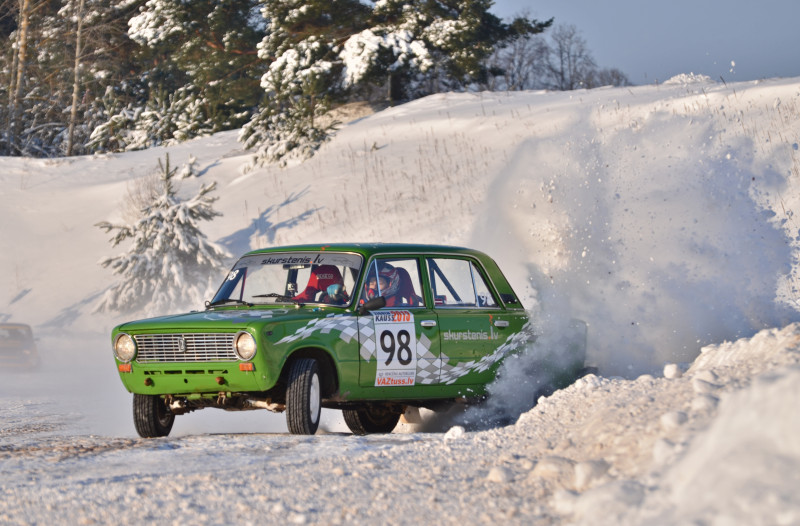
(662, 215)
(665, 216)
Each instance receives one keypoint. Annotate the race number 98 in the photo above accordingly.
(398, 347)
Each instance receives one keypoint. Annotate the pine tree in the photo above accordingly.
(300, 48)
(433, 46)
(201, 69)
(290, 124)
(110, 75)
(170, 263)
(55, 92)
(321, 53)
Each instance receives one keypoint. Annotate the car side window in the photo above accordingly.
(482, 291)
(458, 283)
(396, 279)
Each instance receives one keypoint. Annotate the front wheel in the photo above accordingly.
(151, 416)
(303, 397)
(370, 419)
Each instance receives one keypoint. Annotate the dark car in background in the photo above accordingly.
(17, 347)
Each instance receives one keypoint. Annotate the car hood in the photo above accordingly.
(219, 319)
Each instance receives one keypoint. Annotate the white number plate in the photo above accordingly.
(397, 348)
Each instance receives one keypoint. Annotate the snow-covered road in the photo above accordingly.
(715, 444)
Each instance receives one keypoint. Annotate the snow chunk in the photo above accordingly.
(672, 371)
(704, 402)
(673, 420)
(589, 382)
(556, 469)
(690, 78)
(454, 433)
(499, 474)
(589, 473)
(608, 503)
(759, 349)
(703, 387)
(663, 451)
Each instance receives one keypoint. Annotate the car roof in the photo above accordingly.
(369, 249)
(14, 326)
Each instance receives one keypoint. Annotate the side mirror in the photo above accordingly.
(373, 304)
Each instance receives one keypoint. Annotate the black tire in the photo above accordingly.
(151, 416)
(370, 419)
(303, 397)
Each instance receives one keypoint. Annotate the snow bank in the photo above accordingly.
(746, 468)
(716, 445)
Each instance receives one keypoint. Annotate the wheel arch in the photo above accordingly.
(329, 374)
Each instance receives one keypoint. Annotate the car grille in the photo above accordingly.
(171, 348)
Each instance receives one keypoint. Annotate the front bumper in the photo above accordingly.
(190, 378)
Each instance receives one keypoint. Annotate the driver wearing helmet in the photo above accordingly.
(387, 285)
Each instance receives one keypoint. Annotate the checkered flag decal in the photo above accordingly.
(427, 364)
(368, 345)
(430, 369)
(451, 373)
(345, 325)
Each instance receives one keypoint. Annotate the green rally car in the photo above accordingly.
(370, 329)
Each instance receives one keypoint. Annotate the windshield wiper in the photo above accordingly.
(228, 300)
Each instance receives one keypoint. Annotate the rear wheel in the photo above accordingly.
(370, 419)
(303, 397)
(151, 416)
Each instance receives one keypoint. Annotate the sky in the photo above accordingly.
(654, 41)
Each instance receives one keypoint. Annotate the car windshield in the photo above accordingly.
(15, 333)
(291, 277)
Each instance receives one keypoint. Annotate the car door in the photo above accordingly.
(399, 344)
(472, 324)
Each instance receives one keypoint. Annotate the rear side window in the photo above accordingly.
(458, 283)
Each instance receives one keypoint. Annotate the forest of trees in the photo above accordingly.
(86, 76)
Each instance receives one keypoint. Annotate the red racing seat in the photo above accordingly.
(321, 278)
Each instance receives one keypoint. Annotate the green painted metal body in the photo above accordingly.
(457, 349)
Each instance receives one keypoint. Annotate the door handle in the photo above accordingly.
(500, 323)
(428, 323)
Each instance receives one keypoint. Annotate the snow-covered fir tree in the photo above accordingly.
(54, 81)
(170, 263)
(201, 70)
(419, 47)
(322, 53)
(303, 75)
(85, 76)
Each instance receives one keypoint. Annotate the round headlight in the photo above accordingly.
(245, 345)
(124, 347)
